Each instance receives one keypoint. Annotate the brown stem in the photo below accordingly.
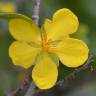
(20, 91)
(36, 10)
(31, 90)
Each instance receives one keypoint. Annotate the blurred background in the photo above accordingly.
(11, 76)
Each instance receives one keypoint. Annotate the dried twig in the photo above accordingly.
(36, 10)
(20, 91)
(31, 90)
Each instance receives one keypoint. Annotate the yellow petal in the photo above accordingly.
(45, 73)
(23, 30)
(64, 22)
(72, 52)
(22, 54)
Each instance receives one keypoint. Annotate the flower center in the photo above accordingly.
(46, 45)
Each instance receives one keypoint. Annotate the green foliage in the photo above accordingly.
(15, 15)
(64, 71)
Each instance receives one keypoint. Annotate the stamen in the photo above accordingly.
(48, 45)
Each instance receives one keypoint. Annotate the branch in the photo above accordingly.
(22, 88)
(31, 90)
(36, 10)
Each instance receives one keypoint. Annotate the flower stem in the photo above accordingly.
(36, 10)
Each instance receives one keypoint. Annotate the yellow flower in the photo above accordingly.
(7, 7)
(35, 46)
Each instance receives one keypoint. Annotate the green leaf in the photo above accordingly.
(93, 64)
(64, 71)
(9, 16)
